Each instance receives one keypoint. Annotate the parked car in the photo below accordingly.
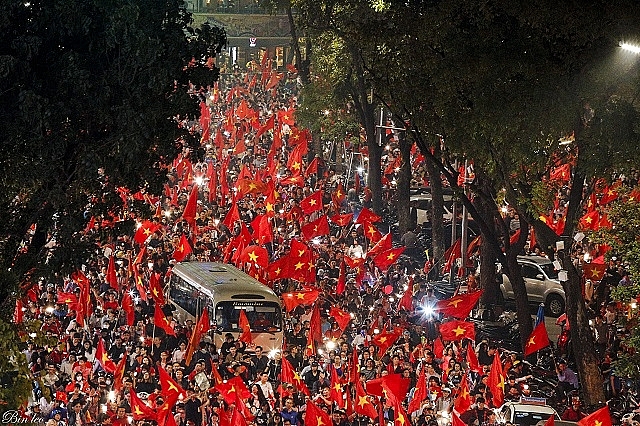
(543, 285)
(527, 412)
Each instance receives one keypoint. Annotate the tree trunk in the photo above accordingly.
(402, 195)
(303, 69)
(437, 207)
(489, 280)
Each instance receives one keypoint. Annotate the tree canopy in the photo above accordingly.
(90, 93)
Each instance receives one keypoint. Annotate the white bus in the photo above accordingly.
(224, 291)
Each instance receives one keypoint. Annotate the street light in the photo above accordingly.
(630, 47)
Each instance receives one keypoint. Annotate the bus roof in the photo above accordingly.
(223, 281)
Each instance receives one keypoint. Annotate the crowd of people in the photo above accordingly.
(73, 386)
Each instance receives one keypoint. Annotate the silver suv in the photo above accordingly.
(541, 280)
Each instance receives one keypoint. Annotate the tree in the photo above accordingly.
(90, 96)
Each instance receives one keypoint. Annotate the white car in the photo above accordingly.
(541, 280)
(526, 412)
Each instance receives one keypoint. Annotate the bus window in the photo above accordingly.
(187, 297)
(263, 316)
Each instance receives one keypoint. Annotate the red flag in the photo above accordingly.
(393, 385)
(238, 419)
(367, 215)
(182, 250)
(139, 409)
(539, 339)
(458, 306)
(337, 393)
(457, 330)
(402, 419)
(342, 278)
(438, 348)
(171, 389)
(291, 300)
(385, 340)
(111, 277)
(452, 253)
(601, 417)
(315, 328)
(161, 321)
(609, 194)
(18, 313)
(316, 417)
(339, 196)
(590, 221)
(342, 219)
(463, 399)
(312, 168)
(371, 232)
(243, 324)
(129, 309)
(255, 254)
(189, 213)
(146, 229)
(312, 203)
(420, 394)
(342, 317)
(103, 358)
(202, 327)
(268, 125)
(496, 381)
(550, 421)
(594, 271)
(294, 162)
(232, 216)
(472, 360)
(387, 258)
(249, 186)
(118, 374)
(455, 420)
(406, 302)
(155, 287)
(383, 244)
(363, 405)
(317, 228)
(289, 375)
(562, 173)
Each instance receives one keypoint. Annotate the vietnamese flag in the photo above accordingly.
(342, 317)
(317, 228)
(111, 277)
(146, 229)
(289, 375)
(101, 355)
(457, 330)
(363, 405)
(170, 388)
(456, 420)
(385, 340)
(337, 393)
(268, 125)
(420, 394)
(371, 232)
(601, 417)
(367, 215)
(118, 374)
(590, 221)
(339, 196)
(297, 298)
(161, 321)
(402, 419)
(312, 203)
(561, 173)
(342, 278)
(394, 384)
(609, 194)
(238, 419)
(496, 381)
(249, 186)
(155, 287)
(472, 360)
(294, 162)
(278, 269)
(594, 271)
(183, 249)
(315, 330)
(383, 244)
(458, 306)
(139, 409)
(189, 212)
(312, 168)
(387, 258)
(463, 399)
(297, 180)
(539, 339)
(263, 231)
(128, 308)
(255, 254)
(316, 417)
(243, 324)
(406, 302)
(232, 216)
(202, 327)
(341, 219)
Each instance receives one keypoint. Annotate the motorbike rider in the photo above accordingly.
(567, 378)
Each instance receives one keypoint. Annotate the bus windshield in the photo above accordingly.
(263, 316)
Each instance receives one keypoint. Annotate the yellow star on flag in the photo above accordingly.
(301, 252)
(391, 256)
(362, 401)
(597, 423)
(252, 186)
(588, 219)
(337, 387)
(531, 341)
(383, 339)
(312, 202)
(400, 418)
(269, 207)
(299, 265)
(181, 248)
(459, 331)
(595, 273)
(295, 165)
(139, 411)
(454, 302)
(319, 421)
(253, 256)
(277, 271)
